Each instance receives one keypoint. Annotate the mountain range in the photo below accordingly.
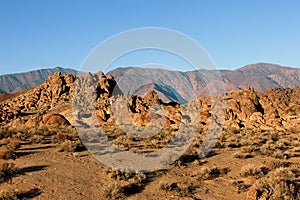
(174, 85)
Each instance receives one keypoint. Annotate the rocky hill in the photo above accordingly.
(274, 109)
(11, 83)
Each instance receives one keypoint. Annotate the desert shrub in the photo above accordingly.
(70, 146)
(6, 132)
(125, 175)
(119, 174)
(241, 186)
(8, 194)
(279, 184)
(274, 136)
(168, 186)
(184, 189)
(241, 155)
(268, 149)
(7, 171)
(14, 143)
(277, 164)
(282, 144)
(114, 191)
(249, 149)
(233, 142)
(63, 134)
(280, 155)
(251, 170)
(210, 173)
(138, 179)
(36, 139)
(7, 153)
(20, 133)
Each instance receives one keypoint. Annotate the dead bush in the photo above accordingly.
(281, 183)
(36, 139)
(7, 171)
(70, 146)
(184, 189)
(7, 153)
(210, 173)
(251, 170)
(8, 194)
(114, 191)
(241, 155)
(278, 163)
(241, 186)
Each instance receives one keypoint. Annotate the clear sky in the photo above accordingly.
(48, 33)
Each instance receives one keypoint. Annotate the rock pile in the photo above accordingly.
(96, 94)
(57, 89)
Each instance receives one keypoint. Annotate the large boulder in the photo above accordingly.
(54, 119)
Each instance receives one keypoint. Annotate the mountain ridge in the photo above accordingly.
(260, 76)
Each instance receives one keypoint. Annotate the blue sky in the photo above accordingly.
(40, 34)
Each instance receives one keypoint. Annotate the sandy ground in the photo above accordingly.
(44, 173)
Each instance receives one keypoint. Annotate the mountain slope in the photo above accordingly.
(11, 83)
(261, 77)
(188, 85)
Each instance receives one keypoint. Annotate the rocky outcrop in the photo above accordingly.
(56, 90)
(100, 95)
(274, 109)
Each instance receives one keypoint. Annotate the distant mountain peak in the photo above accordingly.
(263, 65)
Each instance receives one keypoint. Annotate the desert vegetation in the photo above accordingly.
(42, 154)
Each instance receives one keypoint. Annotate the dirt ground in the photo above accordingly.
(44, 173)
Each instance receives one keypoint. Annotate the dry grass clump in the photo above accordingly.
(268, 148)
(251, 170)
(132, 178)
(134, 184)
(7, 151)
(210, 173)
(183, 189)
(7, 171)
(36, 139)
(114, 191)
(43, 134)
(282, 183)
(242, 155)
(119, 174)
(278, 149)
(249, 149)
(8, 194)
(280, 154)
(70, 146)
(241, 186)
(21, 133)
(277, 164)
(67, 133)
(6, 132)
